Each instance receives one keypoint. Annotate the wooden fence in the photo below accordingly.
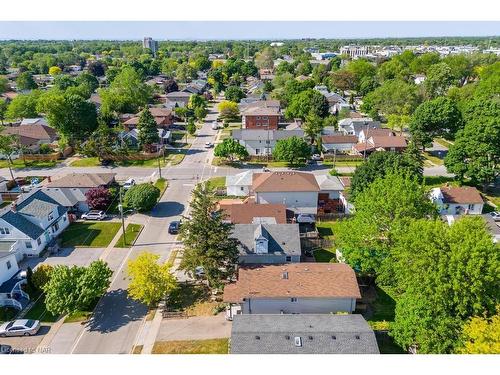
(41, 157)
(308, 244)
(342, 157)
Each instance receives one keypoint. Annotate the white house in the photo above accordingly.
(457, 200)
(262, 142)
(296, 288)
(353, 126)
(31, 223)
(8, 262)
(239, 185)
(338, 143)
(298, 191)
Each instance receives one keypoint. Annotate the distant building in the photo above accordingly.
(355, 51)
(151, 44)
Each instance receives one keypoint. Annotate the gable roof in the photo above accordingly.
(461, 195)
(66, 197)
(38, 205)
(22, 224)
(282, 238)
(314, 280)
(339, 139)
(319, 334)
(240, 179)
(34, 131)
(284, 181)
(244, 213)
(82, 180)
(328, 183)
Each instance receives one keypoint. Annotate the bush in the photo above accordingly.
(45, 149)
(142, 197)
(41, 276)
(98, 198)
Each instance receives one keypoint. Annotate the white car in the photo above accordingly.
(495, 215)
(215, 125)
(316, 157)
(305, 218)
(94, 215)
(21, 327)
(129, 183)
(209, 145)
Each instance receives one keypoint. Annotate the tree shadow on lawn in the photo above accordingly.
(115, 310)
(167, 209)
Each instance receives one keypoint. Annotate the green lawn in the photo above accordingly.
(131, 233)
(161, 184)
(86, 162)
(39, 312)
(435, 181)
(325, 256)
(325, 230)
(217, 182)
(7, 313)
(94, 162)
(433, 159)
(214, 346)
(81, 316)
(383, 307)
(19, 164)
(88, 234)
(344, 163)
(443, 142)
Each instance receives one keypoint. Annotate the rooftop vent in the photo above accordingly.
(298, 341)
(356, 337)
(257, 337)
(310, 337)
(284, 275)
(334, 337)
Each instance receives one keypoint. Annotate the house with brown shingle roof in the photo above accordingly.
(338, 143)
(298, 191)
(163, 117)
(32, 133)
(455, 200)
(296, 288)
(381, 143)
(248, 212)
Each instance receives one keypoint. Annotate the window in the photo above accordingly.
(64, 218)
(242, 188)
(7, 231)
(28, 245)
(293, 299)
(471, 206)
(288, 258)
(257, 151)
(9, 266)
(2, 231)
(38, 241)
(55, 228)
(50, 217)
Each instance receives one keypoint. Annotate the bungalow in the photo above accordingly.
(368, 132)
(298, 191)
(353, 126)
(338, 143)
(196, 87)
(381, 143)
(32, 133)
(267, 243)
(249, 212)
(302, 334)
(296, 288)
(177, 99)
(69, 190)
(31, 223)
(163, 118)
(457, 200)
(132, 137)
(260, 114)
(262, 142)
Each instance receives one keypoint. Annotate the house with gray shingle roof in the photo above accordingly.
(31, 223)
(267, 243)
(302, 334)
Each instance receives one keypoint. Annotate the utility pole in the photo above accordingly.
(366, 140)
(120, 206)
(159, 167)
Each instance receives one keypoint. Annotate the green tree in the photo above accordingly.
(72, 289)
(481, 335)
(25, 81)
(228, 110)
(265, 59)
(431, 263)
(148, 132)
(437, 117)
(200, 113)
(8, 149)
(308, 102)
(4, 84)
(150, 280)
(191, 127)
(386, 204)
(234, 93)
(230, 149)
(380, 163)
(439, 79)
(142, 197)
(3, 110)
(23, 106)
(71, 115)
(126, 94)
(184, 73)
(207, 239)
(55, 70)
(313, 127)
(392, 97)
(101, 143)
(475, 153)
(41, 275)
(292, 150)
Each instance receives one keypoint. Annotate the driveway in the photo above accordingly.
(68, 256)
(195, 328)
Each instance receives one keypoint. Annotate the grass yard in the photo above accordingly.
(443, 142)
(176, 156)
(88, 234)
(435, 181)
(39, 312)
(213, 346)
(344, 163)
(193, 300)
(434, 160)
(383, 307)
(131, 233)
(217, 182)
(86, 162)
(7, 313)
(161, 184)
(325, 255)
(19, 164)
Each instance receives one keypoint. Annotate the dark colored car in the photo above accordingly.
(174, 227)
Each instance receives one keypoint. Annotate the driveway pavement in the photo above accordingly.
(195, 328)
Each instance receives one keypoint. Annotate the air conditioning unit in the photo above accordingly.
(298, 341)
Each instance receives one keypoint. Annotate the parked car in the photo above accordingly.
(209, 145)
(94, 215)
(21, 327)
(305, 218)
(316, 157)
(174, 226)
(495, 215)
(128, 184)
(215, 125)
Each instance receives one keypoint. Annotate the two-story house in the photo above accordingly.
(262, 141)
(457, 200)
(31, 223)
(261, 114)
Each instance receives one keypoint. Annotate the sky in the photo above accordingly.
(217, 30)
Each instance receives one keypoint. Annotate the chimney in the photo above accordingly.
(13, 207)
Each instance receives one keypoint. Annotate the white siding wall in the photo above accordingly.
(458, 209)
(261, 146)
(8, 267)
(301, 306)
(238, 190)
(289, 199)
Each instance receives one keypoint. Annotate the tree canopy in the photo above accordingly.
(292, 150)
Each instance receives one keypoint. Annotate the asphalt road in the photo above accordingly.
(117, 318)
